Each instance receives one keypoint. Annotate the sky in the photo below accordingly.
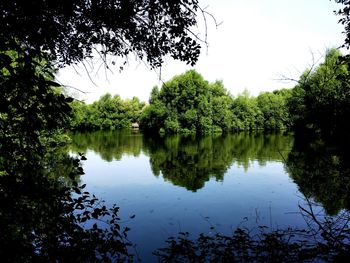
(257, 42)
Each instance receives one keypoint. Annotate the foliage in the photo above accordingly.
(182, 104)
(47, 216)
(274, 110)
(71, 30)
(32, 110)
(240, 247)
(108, 113)
(326, 239)
(249, 116)
(344, 12)
(189, 104)
(44, 209)
(321, 100)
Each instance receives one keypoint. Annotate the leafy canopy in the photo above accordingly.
(69, 30)
(321, 100)
(189, 104)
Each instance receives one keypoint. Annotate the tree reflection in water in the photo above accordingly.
(188, 161)
(47, 216)
(322, 174)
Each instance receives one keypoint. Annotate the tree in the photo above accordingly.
(36, 38)
(223, 116)
(188, 103)
(321, 101)
(273, 106)
(108, 113)
(248, 115)
(69, 31)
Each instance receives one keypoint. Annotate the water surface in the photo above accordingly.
(199, 185)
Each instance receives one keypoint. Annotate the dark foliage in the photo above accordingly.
(44, 210)
(70, 30)
(320, 103)
(45, 216)
(344, 12)
(326, 239)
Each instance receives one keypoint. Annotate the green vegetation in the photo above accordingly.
(46, 216)
(108, 113)
(44, 206)
(320, 103)
(189, 104)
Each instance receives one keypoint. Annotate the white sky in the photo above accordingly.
(257, 41)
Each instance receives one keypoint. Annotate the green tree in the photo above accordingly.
(321, 101)
(108, 113)
(223, 116)
(248, 115)
(188, 103)
(273, 106)
(70, 30)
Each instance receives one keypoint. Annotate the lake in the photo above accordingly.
(181, 183)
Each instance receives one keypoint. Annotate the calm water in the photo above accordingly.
(179, 183)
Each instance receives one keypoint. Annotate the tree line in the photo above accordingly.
(108, 113)
(189, 104)
(186, 104)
